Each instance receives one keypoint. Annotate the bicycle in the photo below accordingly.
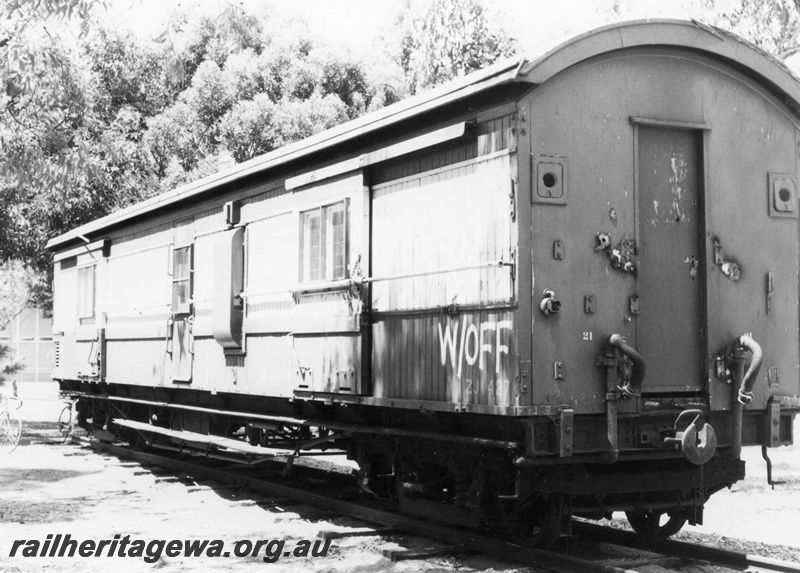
(66, 420)
(10, 426)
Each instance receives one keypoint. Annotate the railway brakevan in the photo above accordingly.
(566, 285)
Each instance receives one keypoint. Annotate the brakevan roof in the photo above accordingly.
(691, 35)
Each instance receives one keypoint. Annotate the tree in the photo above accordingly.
(71, 129)
(194, 40)
(9, 365)
(447, 39)
(13, 297)
(256, 99)
(773, 25)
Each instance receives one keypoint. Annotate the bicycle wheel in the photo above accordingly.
(66, 422)
(10, 432)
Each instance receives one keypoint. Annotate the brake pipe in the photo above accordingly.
(634, 387)
(746, 389)
(745, 393)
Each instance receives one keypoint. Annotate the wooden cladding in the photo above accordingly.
(489, 137)
(448, 218)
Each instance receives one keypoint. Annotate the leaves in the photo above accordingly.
(447, 39)
(772, 25)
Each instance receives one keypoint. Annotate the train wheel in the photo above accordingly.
(656, 524)
(532, 525)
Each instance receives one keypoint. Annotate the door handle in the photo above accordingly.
(170, 324)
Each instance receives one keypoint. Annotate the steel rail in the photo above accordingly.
(715, 555)
(470, 539)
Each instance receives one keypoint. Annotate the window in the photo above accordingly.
(86, 291)
(181, 279)
(323, 243)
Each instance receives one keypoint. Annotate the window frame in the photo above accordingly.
(87, 307)
(325, 269)
(185, 306)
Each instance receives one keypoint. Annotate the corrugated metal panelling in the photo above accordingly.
(445, 219)
(127, 275)
(65, 296)
(208, 221)
(330, 363)
(142, 240)
(203, 270)
(268, 368)
(271, 365)
(467, 358)
(271, 262)
(492, 136)
(267, 204)
(141, 362)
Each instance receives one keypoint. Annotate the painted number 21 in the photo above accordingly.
(587, 335)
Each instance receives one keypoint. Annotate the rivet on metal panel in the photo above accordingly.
(558, 250)
(588, 304)
(522, 378)
(558, 370)
(770, 291)
(774, 424)
(635, 305)
(565, 437)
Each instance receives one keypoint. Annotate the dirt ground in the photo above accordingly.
(49, 488)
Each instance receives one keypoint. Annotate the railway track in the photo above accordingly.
(593, 548)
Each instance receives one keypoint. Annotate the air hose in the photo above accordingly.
(634, 387)
(746, 389)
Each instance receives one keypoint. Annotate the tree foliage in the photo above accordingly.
(93, 118)
(447, 39)
(773, 25)
(14, 291)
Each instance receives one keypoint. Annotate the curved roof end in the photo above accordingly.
(687, 34)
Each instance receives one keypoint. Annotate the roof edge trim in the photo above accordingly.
(688, 34)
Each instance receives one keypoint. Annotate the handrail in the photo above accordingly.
(358, 281)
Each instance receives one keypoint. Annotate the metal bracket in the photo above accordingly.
(558, 250)
(730, 269)
(770, 291)
(635, 305)
(523, 380)
(773, 423)
(530, 436)
(718, 258)
(512, 198)
(588, 304)
(565, 432)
